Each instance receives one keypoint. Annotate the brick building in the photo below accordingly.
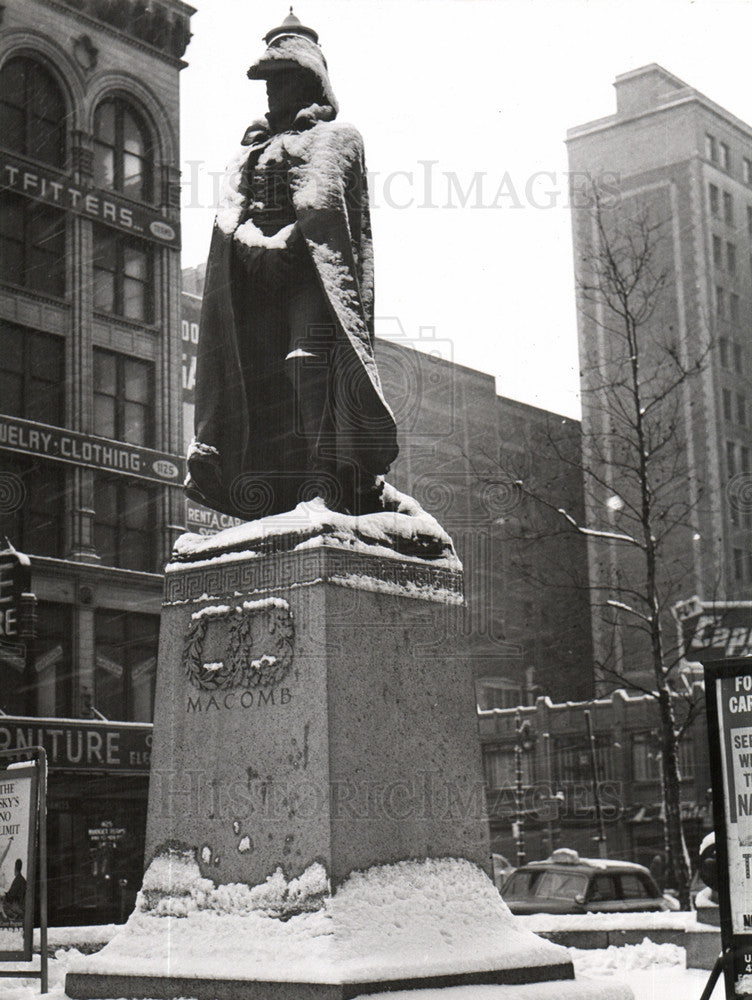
(675, 154)
(558, 803)
(90, 404)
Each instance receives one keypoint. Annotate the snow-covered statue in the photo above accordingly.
(288, 398)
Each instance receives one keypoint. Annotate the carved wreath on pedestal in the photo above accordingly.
(259, 649)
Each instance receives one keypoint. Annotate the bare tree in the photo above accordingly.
(642, 496)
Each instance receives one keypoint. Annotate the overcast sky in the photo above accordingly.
(442, 91)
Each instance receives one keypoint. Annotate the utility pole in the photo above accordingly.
(596, 791)
(523, 741)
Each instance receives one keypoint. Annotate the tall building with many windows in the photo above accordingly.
(90, 403)
(672, 156)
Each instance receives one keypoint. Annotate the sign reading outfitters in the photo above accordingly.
(55, 188)
(728, 688)
(62, 445)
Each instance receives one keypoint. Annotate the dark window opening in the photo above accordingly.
(32, 244)
(32, 111)
(125, 664)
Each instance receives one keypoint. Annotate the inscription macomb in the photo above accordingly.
(205, 703)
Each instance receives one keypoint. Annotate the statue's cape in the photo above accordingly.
(329, 194)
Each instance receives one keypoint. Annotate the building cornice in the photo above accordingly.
(112, 18)
(682, 99)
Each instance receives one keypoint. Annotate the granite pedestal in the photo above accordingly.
(313, 719)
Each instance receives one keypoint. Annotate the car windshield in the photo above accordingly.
(518, 885)
(561, 885)
(545, 885)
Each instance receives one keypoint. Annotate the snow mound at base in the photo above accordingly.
(411, 919)
(173, 887)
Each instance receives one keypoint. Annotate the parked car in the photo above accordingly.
(567, 883)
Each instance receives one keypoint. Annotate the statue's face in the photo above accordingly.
(288, 91)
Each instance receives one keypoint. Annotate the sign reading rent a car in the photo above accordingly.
(728, 689)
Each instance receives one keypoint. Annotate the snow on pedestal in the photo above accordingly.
(316, 823)
(407, 921)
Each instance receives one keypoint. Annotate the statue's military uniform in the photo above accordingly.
(288, 398)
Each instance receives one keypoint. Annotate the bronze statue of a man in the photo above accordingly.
(288, 399)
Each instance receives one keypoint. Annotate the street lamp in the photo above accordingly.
(524, 741)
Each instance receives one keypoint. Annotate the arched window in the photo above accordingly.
(123, 151)
(32, 111)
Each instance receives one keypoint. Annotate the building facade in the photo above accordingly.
(557, 804)
(90, 403)
(672, 160)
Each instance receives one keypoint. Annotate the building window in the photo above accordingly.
(749, 221)
(731, 258)
(711, 148)
(53, 660)
(646, 764)
(32, 111)
(717, 251)
(747, 170)
(744, 458)
(572, 760)
(123, 275)
(731, 458)
(499, 767)
(720, 303)
(646, 758)
(687, 759)
(725, 157)
(741, 409)
(123, 151)
(123, 397)
(738, 556)
(32, 244)
(728, 208)
(714, 197)
(723, 351)
(734, 307)
(125, 522)
(125, 664)
(738, 358)
(33, 516)
(32, 375)
(726, 397)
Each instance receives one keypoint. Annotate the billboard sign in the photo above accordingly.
(711, 631)
(728, 688)
(18, 832)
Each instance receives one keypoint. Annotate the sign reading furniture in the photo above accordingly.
(77, 745)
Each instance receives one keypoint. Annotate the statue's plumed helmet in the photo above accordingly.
(290, 46)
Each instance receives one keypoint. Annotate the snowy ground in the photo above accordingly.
(654, 971)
